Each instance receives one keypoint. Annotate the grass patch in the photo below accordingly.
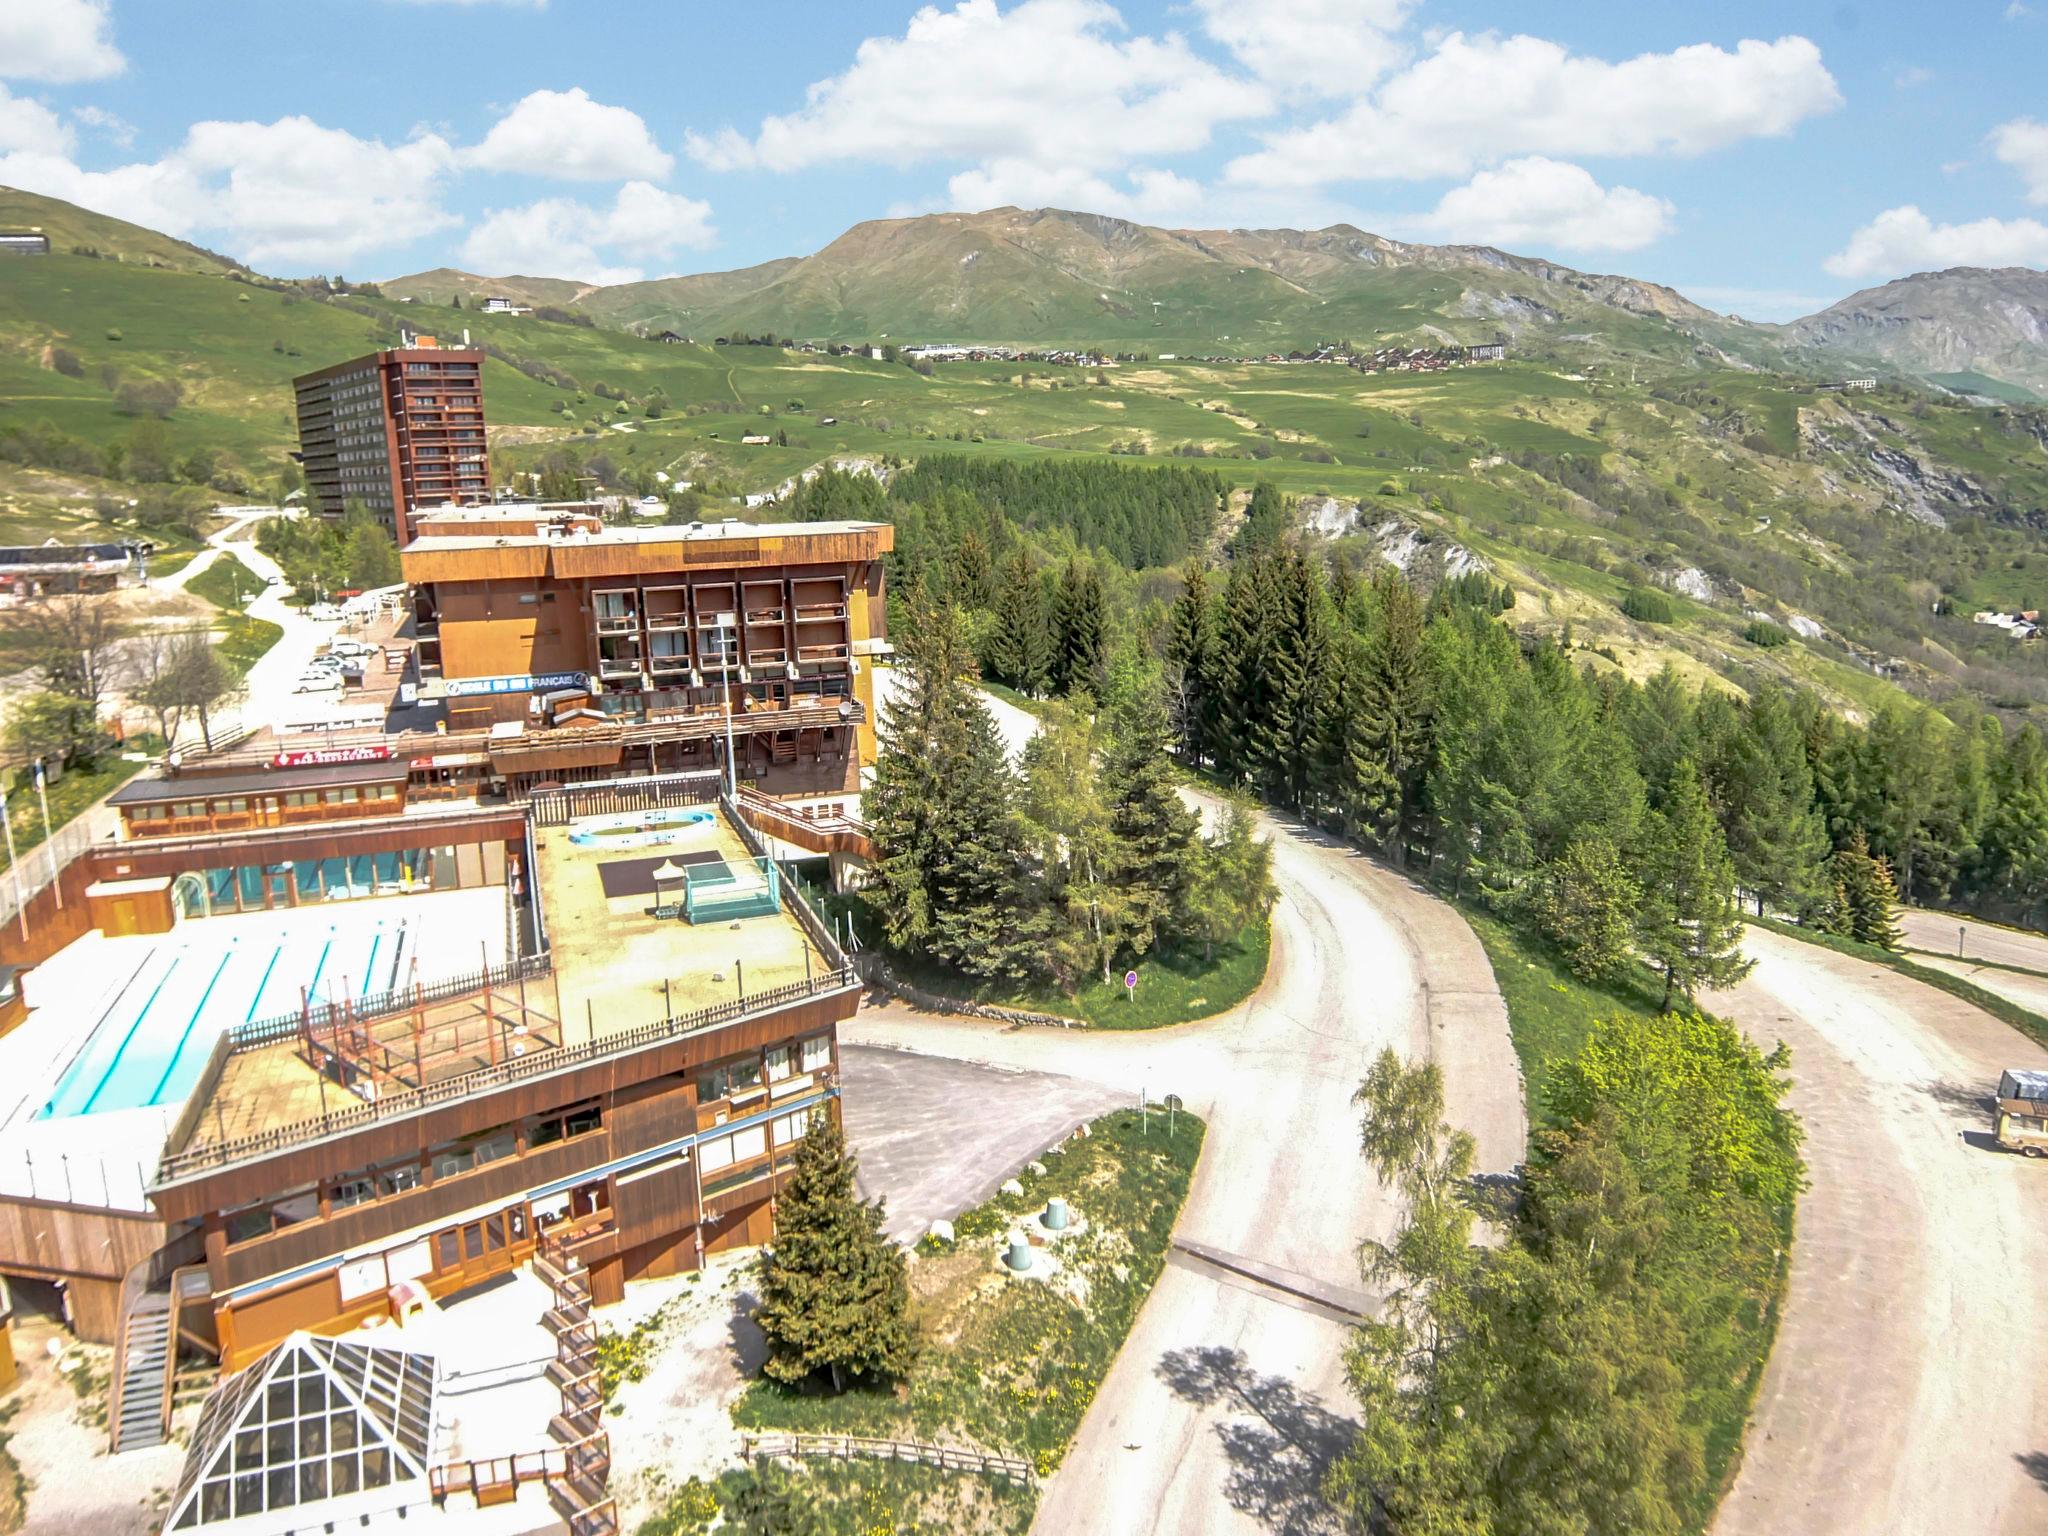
(227, 584)
(172, 563)
(2025, 1020)
(245, 640)
(1550, 1011)
(860, 1498)
(624, 1357)
(1010, 696)
(1174, 986)
(1012, 1365)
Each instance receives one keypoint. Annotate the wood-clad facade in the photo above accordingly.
(555, 629)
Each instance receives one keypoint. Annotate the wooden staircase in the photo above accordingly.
(582, 1493)
(136, 1407)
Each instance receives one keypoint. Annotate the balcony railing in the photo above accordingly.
(617, 624)
(210, 1156)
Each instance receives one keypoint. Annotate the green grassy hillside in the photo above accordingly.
(71, 228)
(1580, 469)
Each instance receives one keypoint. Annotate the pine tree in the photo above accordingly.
(1021, 642)
(1585, 902)
(1240, 683)
(1231, 884)
(1153, 834)
(949, 881)
(835, 1293)
(1688, 925)
(1289, 741)
(1383, 736)
(1866, 901)
(1766, 795)
(972, 573)
(1078, 623)
(1191, 663)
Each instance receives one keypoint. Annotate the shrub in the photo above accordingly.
(113, 333)
(147, 397)
(66, 362)
(1646, 606)
(1766, 634)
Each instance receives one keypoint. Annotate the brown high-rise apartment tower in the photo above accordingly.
(395, 430)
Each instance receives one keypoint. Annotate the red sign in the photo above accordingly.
(317, 757)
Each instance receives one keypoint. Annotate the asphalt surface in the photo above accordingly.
(936, 1136)
(1904, 1393)
(1228, 1401)
(1945, 934)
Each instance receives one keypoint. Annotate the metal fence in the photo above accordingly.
(614, 797)
(203, 1156)
(119, 1184)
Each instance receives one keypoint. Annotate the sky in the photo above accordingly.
(1764, 159)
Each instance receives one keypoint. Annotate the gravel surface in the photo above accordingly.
(1903, 1394)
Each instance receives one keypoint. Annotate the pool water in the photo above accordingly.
(638, 829)
(157, 1023)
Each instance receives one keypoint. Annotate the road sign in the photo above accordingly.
(1131, 980)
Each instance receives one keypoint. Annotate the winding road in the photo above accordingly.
(1905, 1392)
(1228, 1400)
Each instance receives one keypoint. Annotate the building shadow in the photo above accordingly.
(1279, 1455)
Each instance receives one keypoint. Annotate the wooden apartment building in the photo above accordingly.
(574, 650)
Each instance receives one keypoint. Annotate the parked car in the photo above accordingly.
(320, 682)
(2019, 1120)
(324, 613)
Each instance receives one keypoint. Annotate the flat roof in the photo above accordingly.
(659, 534)
(200, 785)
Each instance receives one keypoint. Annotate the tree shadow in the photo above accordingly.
(1279, 1458)
(1962, 1096)
(749, 1344)
(2035, 1464)
(1495, 1197)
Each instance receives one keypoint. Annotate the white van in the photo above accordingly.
(324, 613)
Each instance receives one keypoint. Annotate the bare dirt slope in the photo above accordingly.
(1902, 1395)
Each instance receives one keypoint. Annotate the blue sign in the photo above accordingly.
(526, 682)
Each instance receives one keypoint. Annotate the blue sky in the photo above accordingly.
(1761, 158)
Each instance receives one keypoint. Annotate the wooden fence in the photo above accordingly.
(949, 1458)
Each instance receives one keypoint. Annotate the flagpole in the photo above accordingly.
(49, 841)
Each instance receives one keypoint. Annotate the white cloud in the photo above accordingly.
(1912, 77)
(289, 193)
(2014, 10)
(1537, 202)
(1050, 84)
(1477, 99)
(560, 237)
(58, 41)
(1328, 47)
(2023, 145)
(1902, 240)
(111, 126)
(28, 125)
(566, 135)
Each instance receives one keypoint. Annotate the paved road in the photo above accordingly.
(935, 1136)
(1904, 1393)
(1937, 933)
(1228, 1400)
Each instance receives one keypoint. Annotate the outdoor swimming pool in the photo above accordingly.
(639, 829)
(154, 1025)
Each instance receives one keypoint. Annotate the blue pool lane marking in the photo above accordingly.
(156, 1094)
(71, 1073)
(100, 1087)
(313, 986)
(370, 965)
(262, 985)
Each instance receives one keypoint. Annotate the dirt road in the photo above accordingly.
(1944, 933)
(1228, 1400)
(1903, 1394)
